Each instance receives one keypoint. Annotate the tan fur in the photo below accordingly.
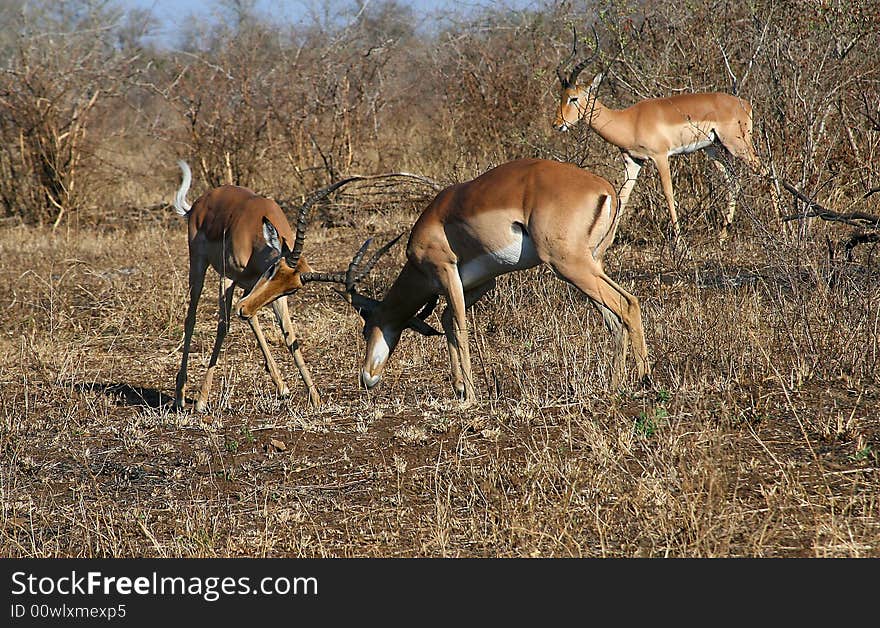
(651, 129)
(226, 232)
(568, 214)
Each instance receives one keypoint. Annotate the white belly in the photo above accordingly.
(519, 254)
(698, 144)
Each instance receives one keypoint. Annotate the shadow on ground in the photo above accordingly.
(128, 395)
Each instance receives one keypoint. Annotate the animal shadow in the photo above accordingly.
(128, 395)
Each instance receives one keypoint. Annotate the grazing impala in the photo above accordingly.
(513, 217)
(229, 230)
(657, 128)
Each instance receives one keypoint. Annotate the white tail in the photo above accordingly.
(180, 204)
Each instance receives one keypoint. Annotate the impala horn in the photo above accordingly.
(569, 81)
(302, 218)
(365, 305)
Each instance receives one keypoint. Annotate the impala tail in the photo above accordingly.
(181, 206)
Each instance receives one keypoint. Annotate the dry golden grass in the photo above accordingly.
(758, 438)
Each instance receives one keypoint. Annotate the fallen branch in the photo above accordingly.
(866, 226)
(855, 219)
(288, 205)
(408, 175)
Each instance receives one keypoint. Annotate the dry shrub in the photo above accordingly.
(62, 67)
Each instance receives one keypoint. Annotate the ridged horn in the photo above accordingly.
(302, 219)
(576, 70)
(559, 68)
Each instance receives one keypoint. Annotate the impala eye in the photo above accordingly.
(573, 99)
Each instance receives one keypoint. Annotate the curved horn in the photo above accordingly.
(572, 77)
(302, 219)
(350, 274)
(348, 278)
(375, 258)
(353, 274)
(559, 68)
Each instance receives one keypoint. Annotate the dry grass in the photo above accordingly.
(759, 437)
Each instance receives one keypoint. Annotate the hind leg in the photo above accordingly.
(662, 163)
(224, 306)
(619, 308)
(198, 266)
(619, 335)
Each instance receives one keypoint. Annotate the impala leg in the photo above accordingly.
(633, 168)
(224, 307)
(455, 358)
(631, 314)
(197, 268)
(457, 333)
(731, 183)
(282, 314)
(271, 366)
(620, 310)
(620, 337)
(662, 163)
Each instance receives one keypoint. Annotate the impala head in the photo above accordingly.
(289, 271)
(575, 100)
(283, 277)
(382, 328)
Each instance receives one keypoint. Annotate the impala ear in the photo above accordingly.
(422, 327)
(275, 241)
(363, 305)
(270, 234)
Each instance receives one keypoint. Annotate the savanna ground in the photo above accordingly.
(758, 435)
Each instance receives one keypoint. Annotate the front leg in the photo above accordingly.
(633, 168)
(662, 163)
(456, 359)
(282, 314)
(271, 366)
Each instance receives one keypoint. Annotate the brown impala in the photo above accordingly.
(513, 217)
(657, 128)
(243, 236)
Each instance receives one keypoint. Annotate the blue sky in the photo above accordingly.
(172, 13)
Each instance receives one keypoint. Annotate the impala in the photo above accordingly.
(515, 216)
(658, 128)
(229, 231)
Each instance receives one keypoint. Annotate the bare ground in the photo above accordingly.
(759, 436)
